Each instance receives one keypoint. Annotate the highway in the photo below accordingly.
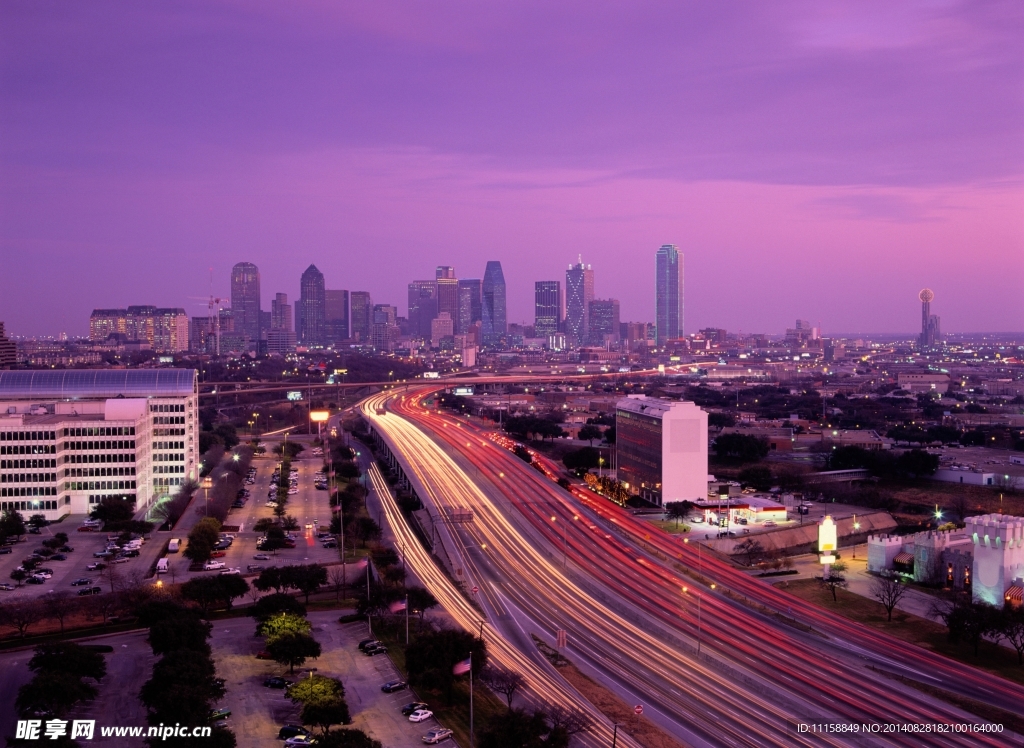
(633, 617)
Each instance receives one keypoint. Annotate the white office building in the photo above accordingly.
(69, 439)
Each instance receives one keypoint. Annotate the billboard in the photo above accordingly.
(294, 395)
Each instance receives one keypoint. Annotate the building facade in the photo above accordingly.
(668, 293)
(662, 449)
(930, 332)
(361, 315)
(603, 322)
(69, 439)
(8, 350)
(336, 311)
(547, 308)
(311, 315)
(422, 307)
(493, 320)
(579, 292)
(470, 304)
(165, 330)
(280, 313)
(245, 302)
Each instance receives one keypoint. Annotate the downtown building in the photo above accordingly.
(361, 315)
(164, 330)
(71, 438)
(311, 316)
(493, 322)
(245, 304)
(281, 335)
(8, 350)
(336, 313)
(579, 292)
(668, 294)
(547, 308)
(471, 306)
(661, 448)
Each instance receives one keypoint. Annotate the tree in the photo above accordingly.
(421, 600)
(60, 605)
(228, 435)
(515, 728)
(66, 657)
(348, 471)
(678, 510)
(888, 591)
(918, 462)
(288, 522)
(22, 614)
(19, 576)
(37, 521)
(201, 540)
(430, 658)
(758, 477)
(836, 579)
(582, 460)
(53, 694)
(1010, 626)
(208, 592)
(182, 687)
(306, 578)
(282, 624)
(270, 579)
(365, 529)
(499, 680)
(323, 702)
(12, 524)
(112, 509)
(568, 721)
(338, 579)
(279, 602)
(176, 634)
(293, 649)
(741, 447)
(752, 549)
(263, 524)
(589, 433)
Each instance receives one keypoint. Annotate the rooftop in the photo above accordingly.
(71, 384)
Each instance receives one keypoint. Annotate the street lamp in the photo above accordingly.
(565, 537)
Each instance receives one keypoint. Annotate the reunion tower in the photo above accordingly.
(929, 322)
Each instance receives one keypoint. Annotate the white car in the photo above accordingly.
(234, 570)
(420, 715)
(292, 491)
(214, 565)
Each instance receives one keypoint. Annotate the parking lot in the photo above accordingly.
(257, 713)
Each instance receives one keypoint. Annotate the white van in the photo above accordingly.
(161, 566)
(173, 546)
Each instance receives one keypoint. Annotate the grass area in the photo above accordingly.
(670, 526)
(905, 627)
(641, 729)
(979, 499)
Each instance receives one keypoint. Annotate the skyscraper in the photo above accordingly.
(312, 312)
(579, 292)
(447, 292)
(668, 293)
(8, 350)
(603, 322)
(929, 322)
(336, 314)
(547, 308)
(470, 305)
(280, 313)
(422, 307)
(362, 315)
(493, 320)
(245, 301)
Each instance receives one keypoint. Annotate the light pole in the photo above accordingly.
(565, 537)
(615, 734)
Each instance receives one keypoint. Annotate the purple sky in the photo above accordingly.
(813, 160)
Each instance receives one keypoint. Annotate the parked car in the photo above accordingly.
(35, 580)
(769, 523)
(255, 567)
(6, 551)
(410, 708)
(330, 544)
(218, 554)
(130, 554)
(276, 683)
(58, 557)
(102, 554)
(96, 567)
(6, 587)
(264, 655)
(81, 582)
(261, 557)
(368, 643)
(376, 651)
(66, 549)
(437, 735)
(214, 565)
(219, 714)
(234, 570)
(90, 591)
(119, 560)
(291, 731)
(394, 685)
(301, 740)
(421, 715)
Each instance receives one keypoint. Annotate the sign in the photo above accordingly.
(638, 709)
(294, 395)
(475, 589)
(827, 535)
(431, 375)
(319, 416)
(463, 391)
(560, 638)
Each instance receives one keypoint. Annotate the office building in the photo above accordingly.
(422, 307)
(603, 322)
(336, 312)
(470, 305)
(245, 302)
(442, 327)
(662, 449)
(493, 320)
(361, 315)
(447, 292)
(280, 313)
(579, 292)
(930, 333)
(384, 331)
(547, 308)
(164, 330)
(69, 439)
(668, 294)
(311, 314)
(8, 350)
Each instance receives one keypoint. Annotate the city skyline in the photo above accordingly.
(840, 160)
